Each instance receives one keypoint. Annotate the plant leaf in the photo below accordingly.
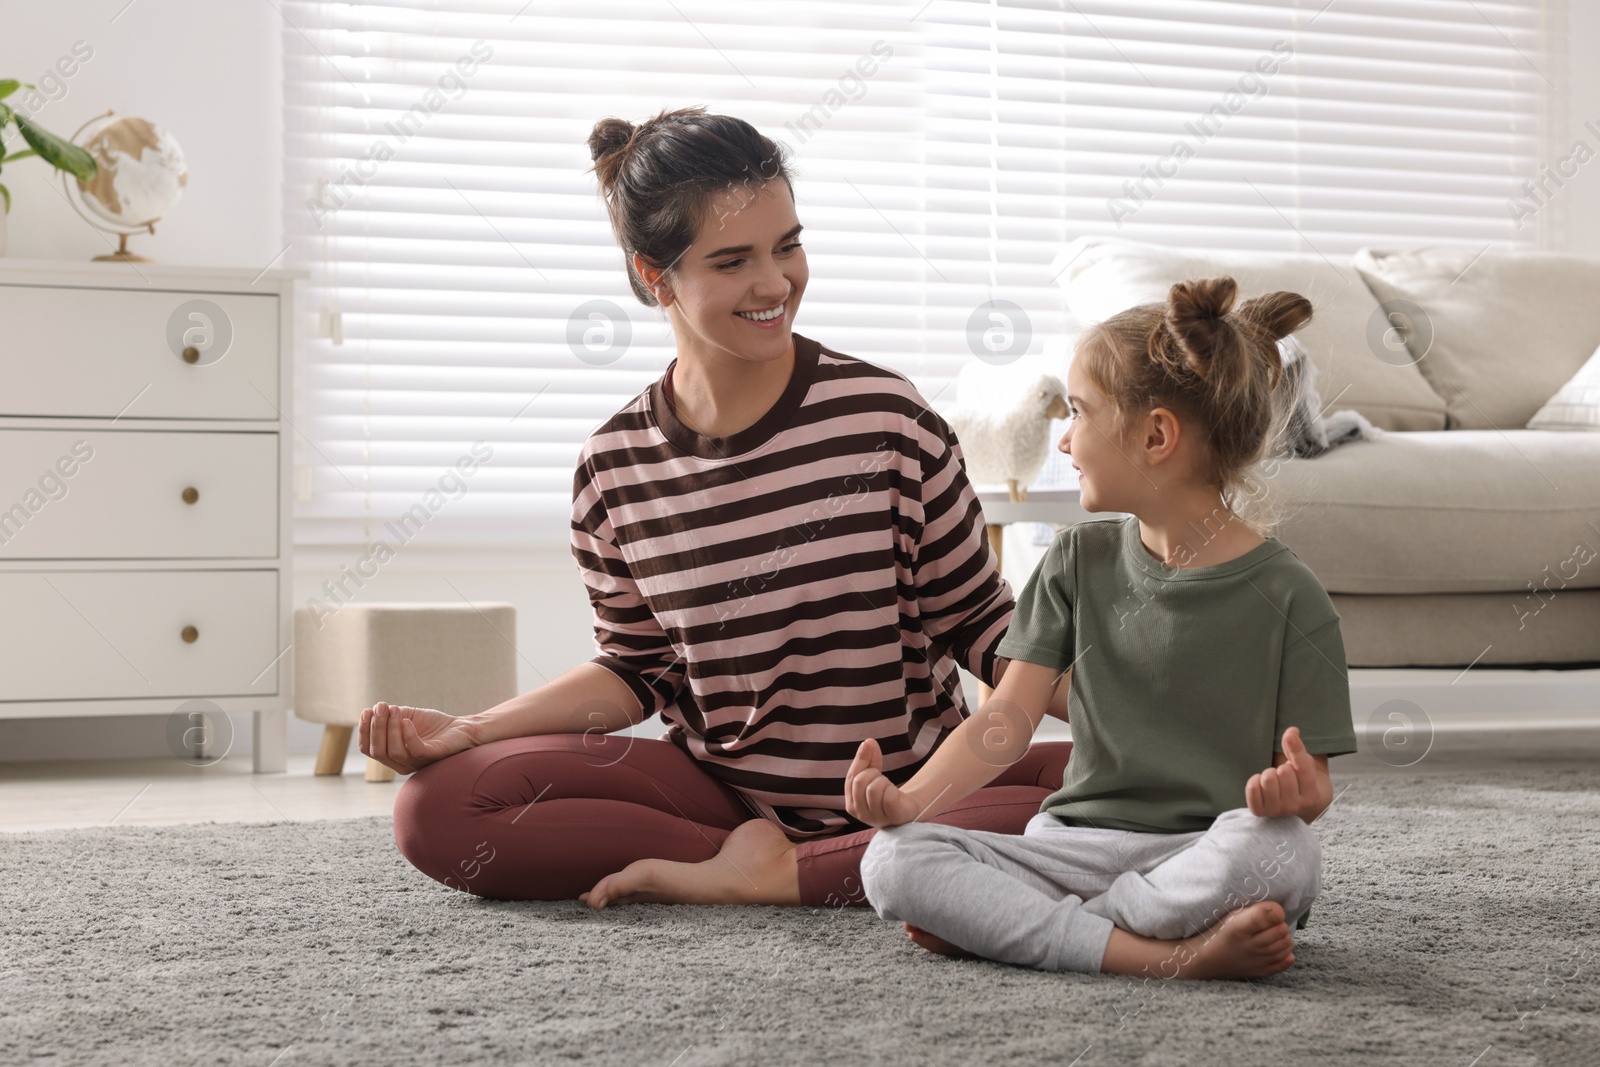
(7, 194)
(63, 155)
(8, 86)
(24, 154)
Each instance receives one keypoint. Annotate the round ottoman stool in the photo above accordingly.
(456, 658)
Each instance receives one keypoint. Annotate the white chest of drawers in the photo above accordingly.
(145, 516)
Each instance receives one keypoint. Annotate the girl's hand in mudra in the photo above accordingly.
(871, 797)
(1297, 783)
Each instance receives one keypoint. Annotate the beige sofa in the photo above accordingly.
(1456, 536)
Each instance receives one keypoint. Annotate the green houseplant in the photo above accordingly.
(63, 155)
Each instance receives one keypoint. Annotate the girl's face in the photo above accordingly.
(745, 259)
(1104, 465)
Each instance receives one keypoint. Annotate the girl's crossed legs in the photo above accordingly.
(1050, 897)
(547, 817)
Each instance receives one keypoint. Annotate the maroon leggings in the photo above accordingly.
(546, 817)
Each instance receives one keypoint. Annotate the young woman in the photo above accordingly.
(784, 557)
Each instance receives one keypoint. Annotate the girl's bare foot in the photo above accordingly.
(756, 865)
(935, 943)
(1248, 942)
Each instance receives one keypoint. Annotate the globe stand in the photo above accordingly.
(122, 255)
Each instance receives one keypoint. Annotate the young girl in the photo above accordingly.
(1207, 687)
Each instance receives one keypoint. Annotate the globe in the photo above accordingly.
(141, 176)
(141, 171)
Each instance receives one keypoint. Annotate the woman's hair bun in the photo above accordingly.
(609, 135)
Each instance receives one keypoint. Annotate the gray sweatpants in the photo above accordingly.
(1048, 897)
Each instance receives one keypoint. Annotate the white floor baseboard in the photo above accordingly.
(1480, 698)
(1382, 700)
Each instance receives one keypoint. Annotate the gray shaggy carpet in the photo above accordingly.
(1457, 926)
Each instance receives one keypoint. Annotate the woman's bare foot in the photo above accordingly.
(756, 865)
(1248, 942)
(935, 943)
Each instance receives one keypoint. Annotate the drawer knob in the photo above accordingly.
(190, 495)
(190, 634)
(191, 354)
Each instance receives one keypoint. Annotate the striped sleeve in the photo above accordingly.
(966, 605)
(629, 640)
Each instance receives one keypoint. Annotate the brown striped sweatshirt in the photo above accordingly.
(781, 594)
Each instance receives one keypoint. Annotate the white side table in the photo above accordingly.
(1059, 506)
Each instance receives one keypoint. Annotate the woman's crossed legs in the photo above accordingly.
(554, 816)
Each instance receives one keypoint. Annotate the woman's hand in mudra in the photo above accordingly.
(406, 739)
(870, 797)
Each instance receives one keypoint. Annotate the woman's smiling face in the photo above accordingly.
(745, 259)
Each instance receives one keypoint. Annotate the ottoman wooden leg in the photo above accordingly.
(377, 772)
(335, 743)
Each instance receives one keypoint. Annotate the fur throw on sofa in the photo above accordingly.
(1307, 432)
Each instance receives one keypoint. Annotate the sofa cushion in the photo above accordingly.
(1499, 332)
(1104, 275)
(1450, 511)
(1576, 405)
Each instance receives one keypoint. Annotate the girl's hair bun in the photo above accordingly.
(1196, 316)
(609, 136)
(1275, 315)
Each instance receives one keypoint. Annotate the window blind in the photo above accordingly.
(945, 152)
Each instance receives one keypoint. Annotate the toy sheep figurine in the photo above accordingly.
(1009, 442)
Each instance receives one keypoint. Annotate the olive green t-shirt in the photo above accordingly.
(1183, 679)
